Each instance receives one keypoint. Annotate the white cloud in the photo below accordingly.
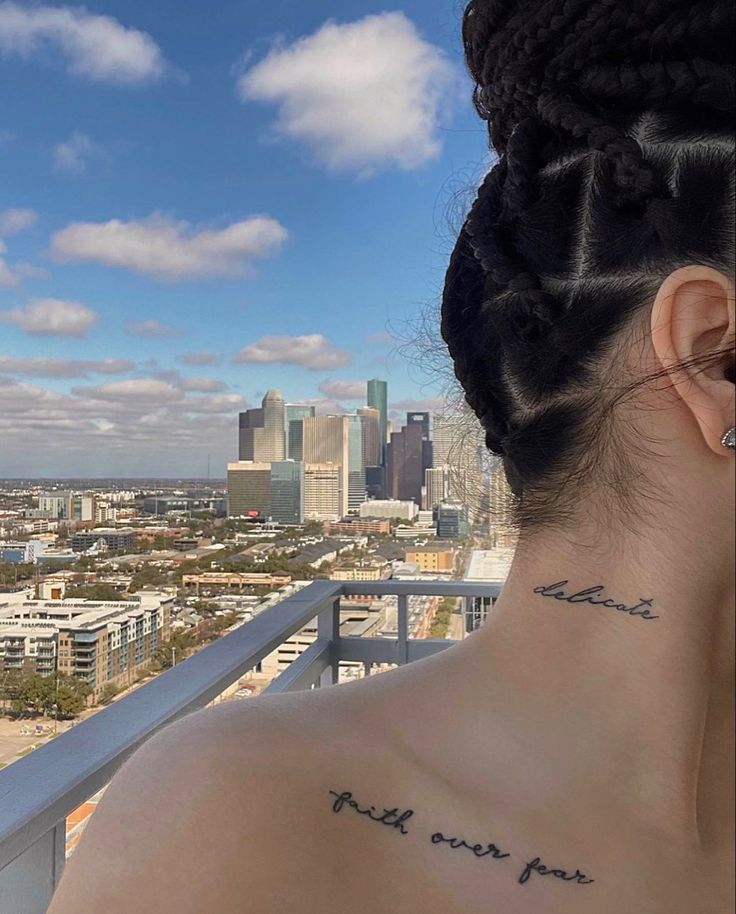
(221, 403)
(344, 390)
(98, 48)
(152, 329)
(200, 358)
(157, 393)
(169, 249)
(122, 431)
(361, 94)
(51, 317)
(12, 221)
(7, 136)
(70, 156)
(15, 220)
(138, 390)
(7, 276)
(30, 270)
(203, 385)
(313, 351)
(41, 367)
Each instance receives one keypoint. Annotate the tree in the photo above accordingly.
(101, 592)
(175, 649)
(58, 695)
(70, 697)
(107, 693)
(313, 528)
(148, 576)
(442, 618)
(13, 574)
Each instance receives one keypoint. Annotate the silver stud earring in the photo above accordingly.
(729, 439)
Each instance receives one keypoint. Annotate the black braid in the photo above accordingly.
(612, 123)
(464, 290)
(697, 82)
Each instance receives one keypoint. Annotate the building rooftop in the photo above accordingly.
(489, 565)
(85, 614)
(433, 547)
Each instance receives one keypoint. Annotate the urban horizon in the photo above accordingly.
(172, 231)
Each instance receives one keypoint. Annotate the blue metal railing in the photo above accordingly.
(38, 792)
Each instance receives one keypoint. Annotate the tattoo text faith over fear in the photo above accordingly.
(393, 818)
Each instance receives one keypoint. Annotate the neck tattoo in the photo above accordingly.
(397, 820)
(590, 594)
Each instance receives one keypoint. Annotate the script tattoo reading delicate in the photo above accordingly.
(395, 819)
(587, 596)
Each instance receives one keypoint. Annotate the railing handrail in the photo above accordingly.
(45, 786)
(40, 790)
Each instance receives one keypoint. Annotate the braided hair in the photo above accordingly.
(613, 127)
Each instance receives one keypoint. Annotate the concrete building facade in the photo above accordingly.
(323, 491)
(249, 489)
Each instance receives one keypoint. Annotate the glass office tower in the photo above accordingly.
(377, 397)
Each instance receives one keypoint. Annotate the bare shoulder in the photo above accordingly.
(216, 811)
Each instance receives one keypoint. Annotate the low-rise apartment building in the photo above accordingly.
(436, 558)
(110, 539)
(238, 579)
(101, 642)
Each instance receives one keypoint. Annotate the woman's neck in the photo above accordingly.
(623, 666)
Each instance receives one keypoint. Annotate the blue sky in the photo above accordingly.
(197, 207)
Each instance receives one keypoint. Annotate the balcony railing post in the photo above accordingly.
(39, 791)
(328, 626)
(30, 880)
(402, 648)
(467, 603)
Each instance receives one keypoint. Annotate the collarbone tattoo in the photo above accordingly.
(393, 817)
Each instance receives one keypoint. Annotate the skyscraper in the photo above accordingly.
(501, 528)
(356, 463)
(457, 445)
(422, 418)
(375, 481)
(293, 415)
(371, 422)
(249, 489)
(262, 431)
(377, 397)
(326, 440)
(435, 486)
(322, 491)
(287, 491)
(404, 464)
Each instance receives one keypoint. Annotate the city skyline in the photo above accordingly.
(174, 241)
(293, 464)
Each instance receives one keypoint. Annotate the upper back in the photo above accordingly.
(310, 802)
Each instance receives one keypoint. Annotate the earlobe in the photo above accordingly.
(692, 332)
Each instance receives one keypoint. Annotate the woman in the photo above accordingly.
(575, 755)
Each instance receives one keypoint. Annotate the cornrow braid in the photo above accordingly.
(635, 179)
(613, 125)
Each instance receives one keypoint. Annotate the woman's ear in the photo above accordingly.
(693, 316)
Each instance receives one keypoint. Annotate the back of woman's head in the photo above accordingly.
(613, 123)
